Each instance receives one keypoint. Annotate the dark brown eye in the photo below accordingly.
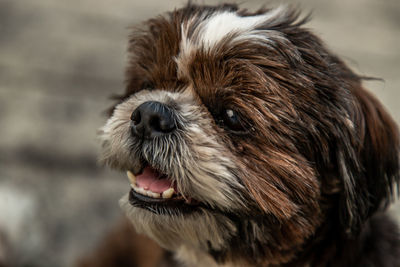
(232, 121)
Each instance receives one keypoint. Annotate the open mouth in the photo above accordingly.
(154, 191)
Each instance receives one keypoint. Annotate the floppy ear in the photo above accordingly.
(372, 186)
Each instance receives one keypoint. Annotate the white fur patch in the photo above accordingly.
(214, 29)
(211, 31)
(223, 24)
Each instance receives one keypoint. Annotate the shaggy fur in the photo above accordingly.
(301, 180)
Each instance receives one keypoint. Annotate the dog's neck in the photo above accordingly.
(377, 244)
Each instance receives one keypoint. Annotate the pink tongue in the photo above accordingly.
(149, 180)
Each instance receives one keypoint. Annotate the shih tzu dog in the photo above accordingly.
(248, 143)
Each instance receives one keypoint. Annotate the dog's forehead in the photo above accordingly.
(212, 35)
(200, 33)
(200, 47)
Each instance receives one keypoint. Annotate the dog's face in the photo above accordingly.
(241, 134)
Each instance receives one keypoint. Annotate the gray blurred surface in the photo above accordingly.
(59, 62)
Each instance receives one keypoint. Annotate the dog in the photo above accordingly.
(248, 143)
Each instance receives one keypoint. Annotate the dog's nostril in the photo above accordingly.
(135, 117)
(152, 119)
(163, 123)
(167, 125)
(155, 123)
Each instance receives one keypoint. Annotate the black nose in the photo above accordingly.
(152, 119)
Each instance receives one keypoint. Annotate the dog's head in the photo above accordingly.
(246, 135)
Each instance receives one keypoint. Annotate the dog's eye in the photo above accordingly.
(232, 121)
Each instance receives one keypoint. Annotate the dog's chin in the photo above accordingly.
(174, 223)
(158, 209)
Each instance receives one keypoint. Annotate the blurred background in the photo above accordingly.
(59, 63)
